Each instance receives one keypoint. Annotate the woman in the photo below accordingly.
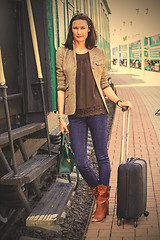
(81, 85)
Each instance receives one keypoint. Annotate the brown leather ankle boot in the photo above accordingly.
(95, 195)
(94, 191)
(102, 203)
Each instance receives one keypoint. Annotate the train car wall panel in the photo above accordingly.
(123, 54)
(19, 61)
(11, 61)
(52, 56)
(70, 10)
(61, 19)
(62, 13)
(33, 95)
(155, 47)
(103, 29)
(8, 43)
(135, 50)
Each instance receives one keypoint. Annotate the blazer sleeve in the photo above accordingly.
(104, 77)
(61, 80)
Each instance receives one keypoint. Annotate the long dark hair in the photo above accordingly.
(91, 40)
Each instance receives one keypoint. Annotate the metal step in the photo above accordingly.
(51, 206)
(21, 132)
(30, 170)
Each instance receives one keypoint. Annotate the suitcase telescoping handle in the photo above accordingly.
(127, 135)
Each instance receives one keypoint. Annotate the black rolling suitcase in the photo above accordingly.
(131, 184)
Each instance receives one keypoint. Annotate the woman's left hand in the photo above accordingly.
(125, 104)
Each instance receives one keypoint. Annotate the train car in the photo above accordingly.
(146, 51)
(135, 54)
(30, 33)
(27, 96)
(153, 52)
(150, 53)
(114, 55)
(123, 54)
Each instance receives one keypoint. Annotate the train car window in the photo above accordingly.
(100, 18)
(82, 6)
(91, 9)
(154, 51)
(61, 20)
(96, 16)
(9, 19)
(70, 11)
(79, 6)
(56, 23)
(86, 6)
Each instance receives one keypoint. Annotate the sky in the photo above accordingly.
(125, 20)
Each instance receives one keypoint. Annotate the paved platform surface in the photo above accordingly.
(143, 90)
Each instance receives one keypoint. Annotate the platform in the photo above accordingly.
(143, 90)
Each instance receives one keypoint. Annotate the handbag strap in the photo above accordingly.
(69, 178)
(65, 137)
(77, 174)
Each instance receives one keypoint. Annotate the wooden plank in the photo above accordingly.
(21, 132)
(51, 206)
(30, 170)
(31, 146)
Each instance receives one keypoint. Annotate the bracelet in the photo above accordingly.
(118, 102)
(61, 115)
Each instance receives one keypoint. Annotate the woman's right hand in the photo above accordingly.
(62, 125)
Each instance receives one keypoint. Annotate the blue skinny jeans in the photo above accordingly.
(78, 129)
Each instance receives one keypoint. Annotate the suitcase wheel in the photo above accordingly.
(119, 222)
(146, 213)
(135, 223)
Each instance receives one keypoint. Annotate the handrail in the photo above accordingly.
(12, 96)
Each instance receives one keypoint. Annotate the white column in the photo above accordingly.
(149, 50)
(118, 57)
(142, 65)
(128, 58)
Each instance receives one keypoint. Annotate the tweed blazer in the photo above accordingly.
(66, 67)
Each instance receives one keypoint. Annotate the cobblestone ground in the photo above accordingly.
(143, 92)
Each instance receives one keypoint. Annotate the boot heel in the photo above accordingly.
(95, 194)
(107, 212)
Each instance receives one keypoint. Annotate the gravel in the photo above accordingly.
(71, 227)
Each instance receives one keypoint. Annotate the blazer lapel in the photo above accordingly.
(74, 55)
(92, 61)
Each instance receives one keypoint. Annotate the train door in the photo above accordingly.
(62, 13)
(70, 9)
(11, 48)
